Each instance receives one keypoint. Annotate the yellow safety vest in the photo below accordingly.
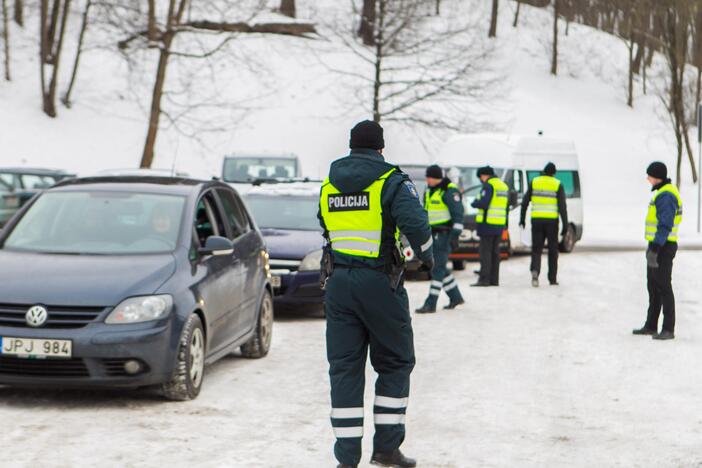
(354, 220)
(652, 216)
(544, 197)
(497, 211)
(437, 210)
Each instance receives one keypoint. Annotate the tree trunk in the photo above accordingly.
(438, 7)
(147, 157)
(19, 12)
(6, 38)
(287, 8)
(516, 14)
(84, 25)
(640, 51)
(55, 58)
(630, 92)
(644, 77)
(366, 31)
(379, 51)
(493, 19)
(554, 56)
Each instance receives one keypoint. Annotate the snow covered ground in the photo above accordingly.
(520, 377)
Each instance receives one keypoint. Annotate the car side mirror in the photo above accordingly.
(216, 245)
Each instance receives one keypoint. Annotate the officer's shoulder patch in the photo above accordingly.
(412, 188)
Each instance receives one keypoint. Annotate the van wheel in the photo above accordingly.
(459, 265)
(190, 368)
(260, 343)
(568, 243)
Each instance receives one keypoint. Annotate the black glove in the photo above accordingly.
(563, 231)
(652, 257)
(522, 224)
(454, 243)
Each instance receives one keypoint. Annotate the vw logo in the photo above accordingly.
(36, 316)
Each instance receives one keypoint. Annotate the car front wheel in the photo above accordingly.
(260, 343)
(190, 368)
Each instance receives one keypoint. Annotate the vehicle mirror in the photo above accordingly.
(216, 245)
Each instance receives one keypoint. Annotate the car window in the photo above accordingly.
(569, 179)
(234, 213)
(4, 186)
(208, 222)
(247, 169)
(8, 179)
(36, 182)
(285, 212)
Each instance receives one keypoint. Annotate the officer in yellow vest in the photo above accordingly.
(491, 221)
(444, 204)
(662, 223)
(364, 205)
(548, 200)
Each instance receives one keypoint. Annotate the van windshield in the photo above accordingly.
(249, 169)
(569, 179)
(467, 176)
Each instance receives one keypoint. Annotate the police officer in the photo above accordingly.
(364, 205)
(662, 222)
(548, 200)
(443, 203)
(491, 220)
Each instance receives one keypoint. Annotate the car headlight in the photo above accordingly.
(312, 261)
(141, 309)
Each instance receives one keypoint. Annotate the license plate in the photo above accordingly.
(276, 281)
(35, 348)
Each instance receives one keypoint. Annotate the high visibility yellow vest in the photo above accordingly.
(497, 211)
(437, 210)
(354, 220)
(544, 197)
(652, 216)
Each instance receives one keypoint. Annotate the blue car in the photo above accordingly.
(131, 282)
(287, 216)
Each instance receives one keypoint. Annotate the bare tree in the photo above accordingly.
(19, 12)
(161, 31)
(66, 99)
(51, 33)
(516, 14)
(287, 8)
(422, 71)
(493, 19)
(554, 49)
(366, 28)
(6, 38)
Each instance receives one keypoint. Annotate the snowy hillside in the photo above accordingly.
(301, 109)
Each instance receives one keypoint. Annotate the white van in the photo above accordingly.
(516, 160)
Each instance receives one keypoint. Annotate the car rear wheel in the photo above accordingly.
(568, 243)
(260, 343)
(190, 368)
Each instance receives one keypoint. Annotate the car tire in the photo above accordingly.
(188, 376)
(459, 265)
(260, 343)
(568, 243)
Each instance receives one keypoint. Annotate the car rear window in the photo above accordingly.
(569, 179)
(85, 222)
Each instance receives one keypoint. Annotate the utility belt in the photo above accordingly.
(395, 268)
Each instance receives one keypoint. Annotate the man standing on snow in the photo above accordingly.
(443, 203)
(491, 220)
(364, 205)
(662, 222)
(547, 196)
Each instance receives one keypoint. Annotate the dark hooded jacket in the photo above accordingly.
(399, 198)
(666, 209)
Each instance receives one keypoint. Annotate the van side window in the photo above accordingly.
(569, 179)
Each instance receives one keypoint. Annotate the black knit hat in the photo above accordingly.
(658, 170)
(550, 169)
(486, 170)
(367, 134)
(435, 172)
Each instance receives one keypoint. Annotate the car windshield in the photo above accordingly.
(469, 196)
(285, 212)
(99, 223)
(467, 176)
(250, 169)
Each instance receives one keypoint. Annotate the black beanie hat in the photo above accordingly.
(435, 172)
(550, 169)
(367, 134)
(658, 170)
(486, 170)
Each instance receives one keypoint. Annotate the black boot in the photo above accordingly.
(425, 309)
(344, 465)
(453, 304)
(664, 335)
(480, 284)
(644, 331)
(535, 279)
(393, 459)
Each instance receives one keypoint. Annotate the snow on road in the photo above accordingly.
(520, 377)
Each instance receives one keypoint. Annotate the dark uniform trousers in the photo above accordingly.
(489, 250)
(364, 312)
(660, 290)
(441, 277)
(542, 231)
